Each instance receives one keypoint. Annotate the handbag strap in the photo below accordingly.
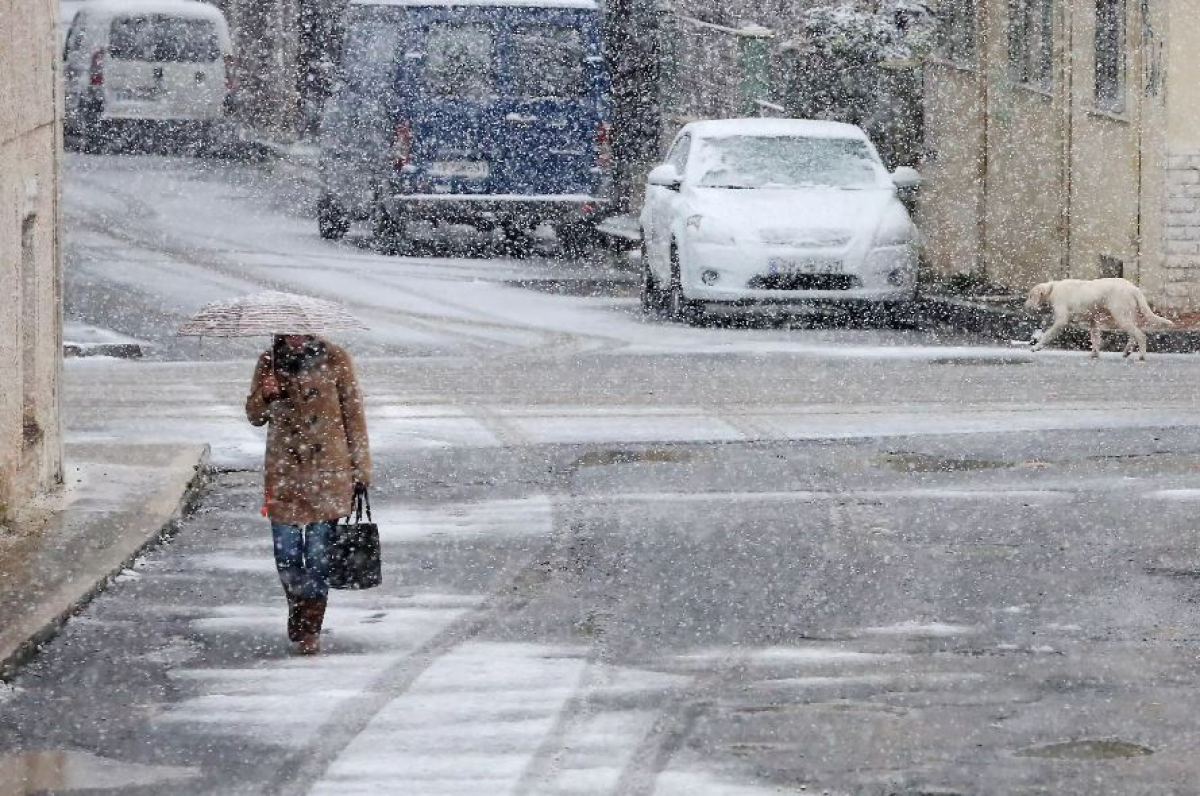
(362, 500)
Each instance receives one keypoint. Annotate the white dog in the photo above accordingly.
(1118, 299)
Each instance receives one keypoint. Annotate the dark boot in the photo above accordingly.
(294, 621)
(312, 616)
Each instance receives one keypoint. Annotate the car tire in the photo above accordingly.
(388, 232)
(652, 296)
(333, 222)
(92, 134)
(679, 307)
(516, 241)
(578, 240)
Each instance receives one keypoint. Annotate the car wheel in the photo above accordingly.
(516, 241)
(679, 307)
(92, 134)
(652, 298)
(333, 221)
(389, 232)
(577, 240)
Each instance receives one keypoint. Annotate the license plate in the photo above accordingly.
(789, 267)
(468, 169)
(139, 94)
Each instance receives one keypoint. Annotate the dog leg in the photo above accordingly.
(1095, 339)
(1138, 336)
(1051, 333)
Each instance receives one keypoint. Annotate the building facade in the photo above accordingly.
(30, 272)
(1063, 140)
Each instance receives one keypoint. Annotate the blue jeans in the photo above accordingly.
(302, 558)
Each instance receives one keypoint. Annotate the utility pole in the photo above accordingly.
(632, 55)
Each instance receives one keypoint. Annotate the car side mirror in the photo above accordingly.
(665, 176)
(906, 178)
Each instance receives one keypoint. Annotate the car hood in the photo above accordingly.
(808, 216)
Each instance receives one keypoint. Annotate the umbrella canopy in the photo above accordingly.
(270, 313)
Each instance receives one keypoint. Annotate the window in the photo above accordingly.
(74, 36)
(957, 32)
(547, 62)
(678, 156)
(163, 39)
(459, 61)
(1031, 42)
(370, 56)
(1110, 55)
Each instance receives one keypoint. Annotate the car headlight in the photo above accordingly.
(707, 230)
(894, 235)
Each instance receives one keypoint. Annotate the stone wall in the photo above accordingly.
(1181, 231)
(30, 276)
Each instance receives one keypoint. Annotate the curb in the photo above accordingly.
(151, 523)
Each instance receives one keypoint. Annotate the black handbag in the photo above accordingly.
(354, 555)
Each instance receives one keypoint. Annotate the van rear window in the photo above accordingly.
(459, 61)
(547, 62)
(160, 39)
(371, 48)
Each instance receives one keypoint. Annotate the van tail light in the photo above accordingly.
(231, 82)
(603, 147)
(401, 145)
(96, 72)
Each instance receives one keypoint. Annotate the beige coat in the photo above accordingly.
(317, 442)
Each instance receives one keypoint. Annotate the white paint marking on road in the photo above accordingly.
(1176, 495)
(387, 625)
(812, 496)
(469, 725)
(490, 519)
(685, 782)
(921, 630)
(632, 428)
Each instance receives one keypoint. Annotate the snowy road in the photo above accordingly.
(624, 557)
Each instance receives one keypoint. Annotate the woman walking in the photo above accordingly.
(317, 459)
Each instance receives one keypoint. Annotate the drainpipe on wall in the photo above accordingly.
(754, 63)
(1068, 156)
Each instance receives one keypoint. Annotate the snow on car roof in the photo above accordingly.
(589, 5)
(177, 8)
(806, 128)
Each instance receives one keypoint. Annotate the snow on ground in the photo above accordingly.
(133, 227)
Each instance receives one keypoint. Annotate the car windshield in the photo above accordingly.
(746, 161)
(163, 39)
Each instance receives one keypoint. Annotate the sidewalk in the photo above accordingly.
(118, 499)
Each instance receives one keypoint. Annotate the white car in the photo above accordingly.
(748, 214)
(146, 62)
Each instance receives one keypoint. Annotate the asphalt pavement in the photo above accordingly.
(623, 556)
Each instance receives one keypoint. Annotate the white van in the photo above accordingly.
(146, 61)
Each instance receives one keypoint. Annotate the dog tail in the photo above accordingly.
(1144, 306)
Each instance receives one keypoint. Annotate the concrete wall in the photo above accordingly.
(1064, 185)
(30, 277)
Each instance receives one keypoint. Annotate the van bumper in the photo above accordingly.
(499, 208)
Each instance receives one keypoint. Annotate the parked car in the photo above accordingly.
(147, 63)
(747, 214)
(488, 113)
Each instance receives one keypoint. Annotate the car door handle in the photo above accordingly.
(520, 118)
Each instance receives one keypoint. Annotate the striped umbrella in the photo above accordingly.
(270, 313)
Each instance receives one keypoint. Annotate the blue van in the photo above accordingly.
(487, 112)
